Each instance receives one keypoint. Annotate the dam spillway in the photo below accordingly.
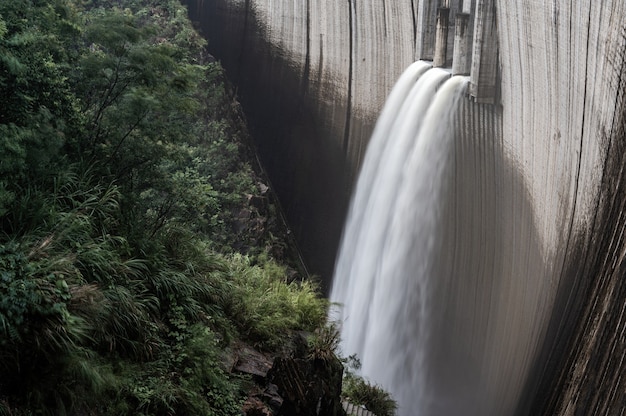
(434, 299)
(313, 76)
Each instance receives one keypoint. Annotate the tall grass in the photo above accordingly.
(265, 306)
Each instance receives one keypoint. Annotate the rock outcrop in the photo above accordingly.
(309, 387)
(291, 385)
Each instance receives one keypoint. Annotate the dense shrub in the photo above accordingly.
(359, 391)
(126, 264)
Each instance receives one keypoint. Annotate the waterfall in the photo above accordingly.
(427, 297)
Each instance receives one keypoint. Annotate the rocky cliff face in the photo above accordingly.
(313, 76)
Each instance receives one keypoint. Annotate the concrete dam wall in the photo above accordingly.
(537, 215)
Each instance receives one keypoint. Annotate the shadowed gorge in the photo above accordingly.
(534, 195)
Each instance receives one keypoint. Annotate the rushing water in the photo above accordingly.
(432, 298)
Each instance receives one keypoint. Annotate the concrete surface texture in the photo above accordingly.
(542, 142)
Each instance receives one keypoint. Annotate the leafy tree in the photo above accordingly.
(125, 192)
(38, 109)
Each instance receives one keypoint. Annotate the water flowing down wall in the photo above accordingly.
(441, 273)
(532, 189)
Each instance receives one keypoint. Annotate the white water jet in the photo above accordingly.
(441, 309)
(400, 180)
(411, 257)
(377, 207)
(376, 147)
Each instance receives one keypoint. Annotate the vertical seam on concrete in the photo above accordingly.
(618, 97)
(307, 59)
(384, 18)
(346, 133)
(582, 133)
(582, 124)
(569, 231)
(243, 41)
(414, 16)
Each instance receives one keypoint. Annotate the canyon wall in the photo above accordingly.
(313, 76)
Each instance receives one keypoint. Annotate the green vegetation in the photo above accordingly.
(324, 343)
(136, 242)
(359, 391)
